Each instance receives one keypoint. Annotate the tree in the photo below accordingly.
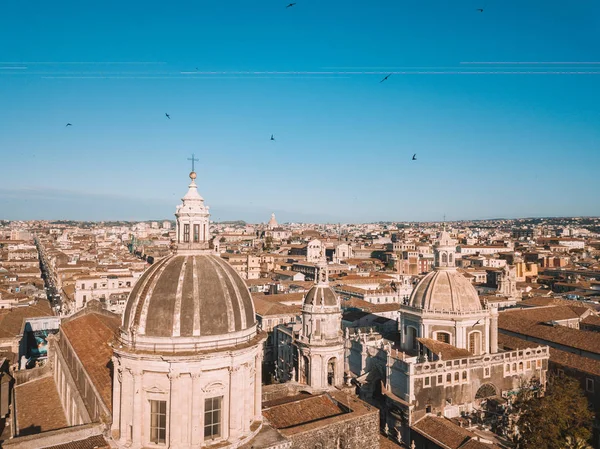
(559, 419)
(268, 243)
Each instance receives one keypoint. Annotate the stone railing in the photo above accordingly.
(443, 312)
(439, 366)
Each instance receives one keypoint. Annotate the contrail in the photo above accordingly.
(78, 62)
(193, 78)
(534, 63)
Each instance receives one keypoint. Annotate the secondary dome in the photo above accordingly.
(320, 295)
(445, 290)
(196, 295)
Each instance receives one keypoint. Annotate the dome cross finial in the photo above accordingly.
(193, 159)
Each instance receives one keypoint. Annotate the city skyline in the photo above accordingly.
(514, 144)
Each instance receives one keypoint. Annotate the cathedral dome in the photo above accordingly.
(445, 290)
(197, 295)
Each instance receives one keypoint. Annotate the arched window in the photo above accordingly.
(412, 338)
(450, 257)
(331, 371)
(475, 343)
(464, 376)
(443, 337)
(444, 258)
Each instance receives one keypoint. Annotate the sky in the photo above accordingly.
(478, 96)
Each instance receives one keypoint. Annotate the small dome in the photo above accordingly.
(445, 290)
(321, 295)
(189, 296)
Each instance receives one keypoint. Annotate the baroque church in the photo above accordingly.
(182, 368)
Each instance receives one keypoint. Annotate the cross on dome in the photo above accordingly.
(193, 159)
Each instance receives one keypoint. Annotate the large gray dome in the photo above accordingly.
(445, 289)
(189, 296)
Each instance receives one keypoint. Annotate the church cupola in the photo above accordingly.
(444, 252)
(192, 217)
(321, 341)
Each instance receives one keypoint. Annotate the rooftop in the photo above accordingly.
(89, 335)
(35, 415)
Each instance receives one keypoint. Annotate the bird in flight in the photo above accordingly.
(479, 9)
(478, 321)
(414, 157)
(290, 5)
(68, 124)
(168, 116)
(272, 138)
(385, 78)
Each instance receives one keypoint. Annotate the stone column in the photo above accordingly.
(137, 418)
(126, 407)
(485, 337)
(236, 402)
(258, 386)
(116, 406)
(494, 334)
(197, 424)
(174, 434)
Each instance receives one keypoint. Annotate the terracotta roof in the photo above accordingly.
(35, 415)
(281, 298)
(95, 442)
(566, 336)
(266, 308)
(594, 320)
(302, 411)
(563, 358)
(11, 320)
(89, 335)
(551, 313)
(450, 435)
(448, 351)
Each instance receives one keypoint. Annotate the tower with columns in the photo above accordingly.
(192, 220)
(321, 344)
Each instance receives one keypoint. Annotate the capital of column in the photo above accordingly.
(173, 375)
(135, 372)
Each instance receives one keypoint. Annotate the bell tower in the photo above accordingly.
(192, 220)
(321, 344)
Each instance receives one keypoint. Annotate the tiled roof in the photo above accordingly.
(442, 430)
(95, 442)
(89, 335)
(566, 336)
(302, 411)
(545, 314)
(448, 351)
(594, 320)
(11, 320)
(38, 407)
(266, 308)
(564, 358)
(450, 435)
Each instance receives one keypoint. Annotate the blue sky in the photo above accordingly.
(488, 145)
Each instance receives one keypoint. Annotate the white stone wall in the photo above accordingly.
(184, 383)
